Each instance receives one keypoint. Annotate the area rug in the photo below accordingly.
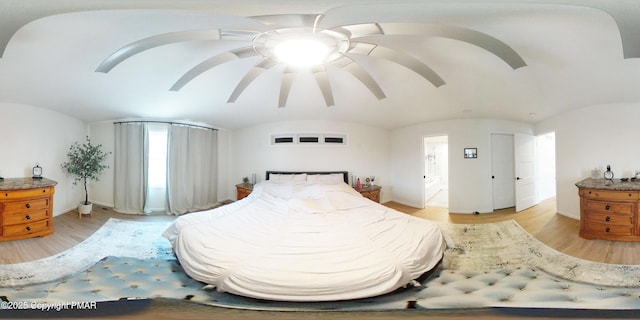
(121, 238)
(505, 244)
(490, 265)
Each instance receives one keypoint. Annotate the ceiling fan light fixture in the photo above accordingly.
(302, 52)
(301, 47)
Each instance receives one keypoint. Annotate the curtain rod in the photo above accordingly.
(168, 122)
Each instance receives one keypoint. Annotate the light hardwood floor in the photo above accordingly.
(541, 221)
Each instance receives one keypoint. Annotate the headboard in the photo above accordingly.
(345, 174)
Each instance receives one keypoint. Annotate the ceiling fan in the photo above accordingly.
(338, 45)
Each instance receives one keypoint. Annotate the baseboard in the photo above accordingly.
(569, 215)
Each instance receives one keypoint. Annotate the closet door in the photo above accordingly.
(525, 165)
(502, 171)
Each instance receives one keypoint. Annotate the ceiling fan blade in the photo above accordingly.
(361, 74)
(277, 21)
(322, 79)
(403, 59)
(360, 30)
(155, 41)
(213, 62)
(285, 86)
(477, 38)
(251, 75)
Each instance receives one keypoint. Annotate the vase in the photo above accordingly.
(85, 208)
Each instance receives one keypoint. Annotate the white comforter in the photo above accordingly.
(299, 242)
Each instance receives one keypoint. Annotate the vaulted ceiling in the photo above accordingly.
(409, 62)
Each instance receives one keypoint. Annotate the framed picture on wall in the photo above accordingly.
(470, 153)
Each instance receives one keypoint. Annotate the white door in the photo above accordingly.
(502, 171)
(525, 165)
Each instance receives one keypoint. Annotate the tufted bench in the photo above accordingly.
(520, 287)
(116, 278)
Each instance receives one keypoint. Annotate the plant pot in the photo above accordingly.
(85, 208)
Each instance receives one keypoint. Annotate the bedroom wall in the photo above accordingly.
(36, 135)
(104, 133)
(592, 137)
(469, 179)
(366, 152)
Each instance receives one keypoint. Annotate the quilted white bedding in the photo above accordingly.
(299, 240)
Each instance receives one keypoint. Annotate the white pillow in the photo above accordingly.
(334, 178)
(291, 178)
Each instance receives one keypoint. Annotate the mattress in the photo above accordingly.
(305, 240)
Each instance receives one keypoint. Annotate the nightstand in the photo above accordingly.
(371, 192)
(243, 190)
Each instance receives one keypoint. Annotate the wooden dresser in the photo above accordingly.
(609, 210)
(371, 192)
(26, 208)
(243, 190)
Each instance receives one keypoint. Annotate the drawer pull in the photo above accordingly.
(28, 206)
(607, 229)
(29, 218)
(29, 228)
(607, 207)
(607, 219)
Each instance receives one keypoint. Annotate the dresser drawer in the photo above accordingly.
(25, 229)
(372, 195)
(623, 208)
(609, 194)
(18, 218)
(24, 206)
(242, 193)
(28, 193)
(601, 230)
(610, 219)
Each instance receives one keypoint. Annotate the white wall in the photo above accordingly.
(366, 152)
(33, 135)
(101, 192)
(592, 137)
(104, 133)
(469, 179)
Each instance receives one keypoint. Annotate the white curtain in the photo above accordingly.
(192, 179)
(130, 168)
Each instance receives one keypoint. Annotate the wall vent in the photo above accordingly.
(309, 139)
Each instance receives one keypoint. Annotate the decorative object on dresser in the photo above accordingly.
(609, 209)
(243, 190)
(86, 162)
(608, 174)
(37, 172)
(26, 208)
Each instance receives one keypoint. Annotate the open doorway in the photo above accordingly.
(436, 171)
(523, 170)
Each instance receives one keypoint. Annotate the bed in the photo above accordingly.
(305, 236)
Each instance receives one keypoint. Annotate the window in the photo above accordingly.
(157, 157)
(309, 139)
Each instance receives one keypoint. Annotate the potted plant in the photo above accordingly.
(86, 162)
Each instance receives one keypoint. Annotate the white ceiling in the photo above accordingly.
(578, 53)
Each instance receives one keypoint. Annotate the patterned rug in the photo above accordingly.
(116, 237)
(505, 244)
(491, 265)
